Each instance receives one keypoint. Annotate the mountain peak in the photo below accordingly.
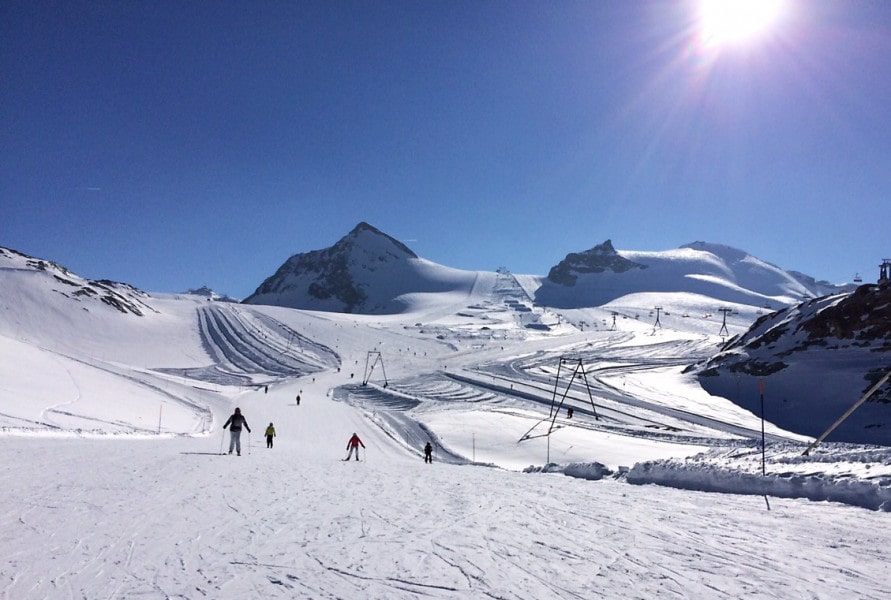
(206, 292)
(365, 271)
(371, 238)
(598, 259)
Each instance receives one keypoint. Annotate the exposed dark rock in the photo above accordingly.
(596, 260)
(818, 358)
(330, 274)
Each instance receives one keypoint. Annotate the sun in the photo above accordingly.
(726, 22)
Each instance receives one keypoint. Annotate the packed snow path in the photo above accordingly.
(171, 518)
(243, 343)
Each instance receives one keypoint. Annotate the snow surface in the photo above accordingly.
(119, 488)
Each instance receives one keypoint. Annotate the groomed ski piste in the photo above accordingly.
(119, 484)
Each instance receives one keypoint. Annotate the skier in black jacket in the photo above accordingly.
(237, 421)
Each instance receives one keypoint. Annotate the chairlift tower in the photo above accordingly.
(657, 324)
(885, 270)
(724, 332)
(371, 364)
(613, 327)
(578, 372)
(291, 337)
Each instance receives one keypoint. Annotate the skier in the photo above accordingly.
(428, 453)
(354, 444)
(270, 433)
(298, 399)
(237, 421)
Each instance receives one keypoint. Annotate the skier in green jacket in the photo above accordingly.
(270, 433)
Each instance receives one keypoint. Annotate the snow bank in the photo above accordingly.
(860, 476)
(590, 471)
(670, 473)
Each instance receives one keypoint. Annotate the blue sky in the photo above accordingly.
(175, 144)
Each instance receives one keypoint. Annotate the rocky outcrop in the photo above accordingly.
(596, 260)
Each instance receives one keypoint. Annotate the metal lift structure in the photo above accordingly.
(578, 372)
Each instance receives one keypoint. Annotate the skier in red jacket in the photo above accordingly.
(354, 444)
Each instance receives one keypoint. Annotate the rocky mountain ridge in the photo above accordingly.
(122, 297)
(860, 320)
(819, 356)
(359, 274)
(366, 271)
(596, 260)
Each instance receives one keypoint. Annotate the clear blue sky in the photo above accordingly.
(175, 144)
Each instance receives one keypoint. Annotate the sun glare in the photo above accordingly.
(725, 22)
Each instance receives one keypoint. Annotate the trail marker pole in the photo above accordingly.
(160, 412)
(763, 460)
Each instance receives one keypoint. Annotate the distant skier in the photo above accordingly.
(569, 413)
(237, 421)
(298, 399)
(354, 444)
(270, 433)
(428, 453)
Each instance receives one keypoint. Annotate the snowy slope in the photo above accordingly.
(602, 274)
(111, 421)
(171, 519)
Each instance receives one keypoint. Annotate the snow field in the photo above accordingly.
(96, 504)
(173, 519)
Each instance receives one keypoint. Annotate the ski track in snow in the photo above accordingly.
(282, 526)
(241, 345)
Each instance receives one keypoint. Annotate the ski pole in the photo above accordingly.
(222, 437)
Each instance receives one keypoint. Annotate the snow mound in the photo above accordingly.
(859, 475)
